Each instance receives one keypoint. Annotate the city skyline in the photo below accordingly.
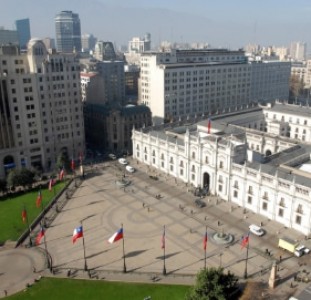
(223, 24)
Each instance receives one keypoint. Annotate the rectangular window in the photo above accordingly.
(298, 220)
(220, 187)
(281, 212)
(249, 200)
(264, 205)
(235, 194)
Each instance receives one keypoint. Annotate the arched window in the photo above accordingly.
(171, 160)
(153, 153)
(181, 164)
(193, 168)
(137, 147)
(193, 155)
(162, 156)
(145, 150)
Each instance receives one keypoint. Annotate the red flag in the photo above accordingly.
(40, 236)
(205, 241)
(24, 215)
(163, 240)
(72, 165)
(61, 174)
(209, 125)
(51, 183)
(245, 241)
(39, 199)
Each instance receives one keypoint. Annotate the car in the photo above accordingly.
(130, 169)
(123, 161)
(257, 230)
(301, 250)
(199, 203)
(112, 156)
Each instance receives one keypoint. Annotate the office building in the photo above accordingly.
(298, 51)
(68, 32)
(41, 108)
(240, 158)
(140, 45)
(8, 37)
(88, 42)
(23, 29)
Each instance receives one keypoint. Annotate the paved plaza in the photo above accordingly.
(102, 205)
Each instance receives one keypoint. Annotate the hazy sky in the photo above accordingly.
(226, 23)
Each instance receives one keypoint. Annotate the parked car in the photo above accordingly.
(301, 250)
(130, 169)
(123, 161)
(199, 203)
(256, 230)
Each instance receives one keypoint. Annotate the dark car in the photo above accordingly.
(199, 203)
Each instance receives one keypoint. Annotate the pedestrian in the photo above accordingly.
(280, 258)
(34, 269)
(143, 204)
(5, 293)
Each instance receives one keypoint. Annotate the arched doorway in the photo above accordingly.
(268, 153)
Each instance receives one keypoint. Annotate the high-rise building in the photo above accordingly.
(8, 37)
(138, 45)
(40, 107)
(23, 29)
(49, 43)
(298, 50)
(68, 32)
(88, 42)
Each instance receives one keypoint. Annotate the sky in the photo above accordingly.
(220, 23)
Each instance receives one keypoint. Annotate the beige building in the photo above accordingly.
(40, 107)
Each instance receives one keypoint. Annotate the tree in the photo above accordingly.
(213, 284)
(23, 177)
(63, 161)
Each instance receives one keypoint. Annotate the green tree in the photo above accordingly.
(296, 87)
(63, 161)
(23, 177)
(3, 185)
(213, 284)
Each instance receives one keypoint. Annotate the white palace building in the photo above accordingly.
(258, 159)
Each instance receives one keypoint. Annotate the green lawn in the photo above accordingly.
(55, 288)
(11, 223)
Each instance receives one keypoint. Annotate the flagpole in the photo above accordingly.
(29, 229)
(124, 265)
(46, 249)
(85, 264)
(205, 247)
(246, 260)
(164, 268)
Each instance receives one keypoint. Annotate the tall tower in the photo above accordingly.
(68, 32)
(23, 29)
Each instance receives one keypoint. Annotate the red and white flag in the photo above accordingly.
(209, 125)
(116, 236)
(61, 174)
(40, 236)
(77, 233)
(245, 241)
(163, 239)
(24, 215)
(205, 241)
(39, 199)
(51, 183)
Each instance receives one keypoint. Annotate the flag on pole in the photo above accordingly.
(61, 174)
(245, 241)
(163, 239)
(40, 236)
(24, 215)
(209, 125)
(205, 241)
(81, 158)
(116, 236)
(72, 164)
(39, 199)
(51, 183)
(77, 233)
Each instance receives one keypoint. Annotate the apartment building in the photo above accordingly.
(41, 107)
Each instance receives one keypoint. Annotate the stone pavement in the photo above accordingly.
(102, 206)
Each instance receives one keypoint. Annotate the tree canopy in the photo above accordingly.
(213, 284)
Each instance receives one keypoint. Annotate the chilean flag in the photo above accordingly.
(77, 233)
(51, 183)
(39, 199)
(40, 236)
(163, 239)
(61, 174)
(245, 241)
(24, 215)
(116, 236)
(209, 125)
(72, 164)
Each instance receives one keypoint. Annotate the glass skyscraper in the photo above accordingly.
(68, 32)
(23, 29)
